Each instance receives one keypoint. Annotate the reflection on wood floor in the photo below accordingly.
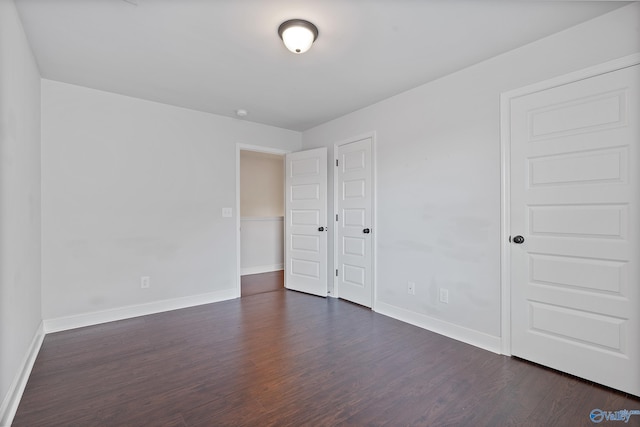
(252, 284)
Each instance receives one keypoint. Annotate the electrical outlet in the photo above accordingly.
(444, 296)
(411, 288)
(145, 282)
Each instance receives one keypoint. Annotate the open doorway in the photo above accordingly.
(261, 212)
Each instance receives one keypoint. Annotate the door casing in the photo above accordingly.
(505, 148)
(246, 147)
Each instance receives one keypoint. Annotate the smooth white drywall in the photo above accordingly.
(262, 244)
(20, 313)
(438, 171)
(261, 184)
(135, 188)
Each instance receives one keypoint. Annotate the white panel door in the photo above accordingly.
(354, 224)
(574, 201)
(306, 221)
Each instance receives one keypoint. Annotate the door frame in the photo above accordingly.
(335, 291)
(505, 156)
(260, 149)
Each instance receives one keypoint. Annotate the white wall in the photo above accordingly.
(20, 315)
(438, 174)
(261, 244)
(134, 188)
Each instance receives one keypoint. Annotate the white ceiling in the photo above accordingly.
(221, 55)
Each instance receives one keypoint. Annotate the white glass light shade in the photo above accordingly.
(297, 39)
(298, 35)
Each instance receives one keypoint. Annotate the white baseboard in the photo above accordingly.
(120, 313)
(16, 389)
(459, 333)
(261, 269)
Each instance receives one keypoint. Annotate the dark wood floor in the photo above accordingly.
(252, 284)
(290, 359)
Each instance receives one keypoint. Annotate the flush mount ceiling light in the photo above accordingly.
(298, 35)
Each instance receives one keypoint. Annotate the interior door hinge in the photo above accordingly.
(336, 272)
(336, 217)
(336, 162)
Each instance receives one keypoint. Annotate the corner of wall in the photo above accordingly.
(11, 401)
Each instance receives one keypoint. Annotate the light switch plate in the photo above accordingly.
(227, 212)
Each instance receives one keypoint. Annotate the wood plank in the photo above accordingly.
(252, 284)
(286, 358)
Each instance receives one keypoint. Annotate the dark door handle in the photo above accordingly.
(366, 231)
(320, 228)
(518, 240)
